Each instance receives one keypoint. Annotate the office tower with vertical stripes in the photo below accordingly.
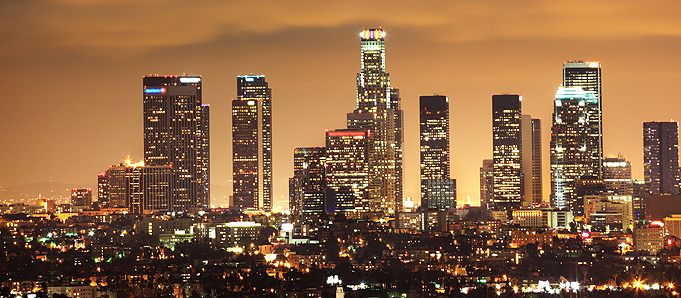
(174, 137)
(661, 157)
(252, 144)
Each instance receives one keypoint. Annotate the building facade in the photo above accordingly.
(81, 197)
(587, 75)
(252, 143)
(506, 148)
(617, 175)
(661, 157)
(531, 161)
(347, 165)
(570, 139)
(487, 183)
(173, 136)
(378, 110)
(437, 189)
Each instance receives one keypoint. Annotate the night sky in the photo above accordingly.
(71, 74)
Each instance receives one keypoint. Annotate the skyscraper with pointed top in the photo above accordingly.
(378, 110)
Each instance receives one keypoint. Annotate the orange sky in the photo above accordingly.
(71, 74)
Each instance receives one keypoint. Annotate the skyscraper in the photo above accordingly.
(252, 143)
(379, 112)
(309, 164)
(487, 183)
(531, 160)
(102, 190)
(437, 189)
(587, 75)
(570, 140)
(347, 166)
(173, 136)
(661, 157)
(507, 146)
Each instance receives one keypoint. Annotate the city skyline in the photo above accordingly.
(462, 61)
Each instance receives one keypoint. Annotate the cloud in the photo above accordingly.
(125, 25)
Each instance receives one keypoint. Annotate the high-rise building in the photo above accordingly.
(156, 184)
(506, 148)
(295, 195)
(570, 139)
(205, 149)
(378, 110)
(347, 166)
(661, 157)
(437, 189)
(617, 175)
(252, 143)
(173, 136)
(587, 75)
(531, 161)
(81, 197)
(309, 164)
(487, 183)
(125, 189)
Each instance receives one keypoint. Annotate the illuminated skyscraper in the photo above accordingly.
(252, 143)
(309, 164)
(125, 189)
(347, 165)
(507, 146)
(173, 136)
(570, 140)
(378, 110)
(531, 161)
(661, 157)
(437, 189)
(587, 75)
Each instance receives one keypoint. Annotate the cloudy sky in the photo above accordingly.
(71, 74)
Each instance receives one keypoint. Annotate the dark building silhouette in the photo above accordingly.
(438, 191)
(661, 157)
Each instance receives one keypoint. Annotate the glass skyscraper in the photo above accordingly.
(252, 143)
(587, 75)
(571, 137)
(174, 136)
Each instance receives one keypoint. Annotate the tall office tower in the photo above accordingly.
(507, 146)
(347, 166)
(205, 149)
(487, 183)
(102, 190)
(531, 161)
(639, 197)
(617, 175)
(378, 112)
(125, 190)
(81, 197)
(661, 157)
(173, 137)
(570, 139)
(587, 75)
(309, 165)
(252, 143)
(437, 189)
(395, 104)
